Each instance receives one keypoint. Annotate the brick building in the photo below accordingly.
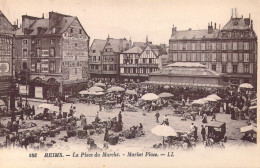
(231, 50)
(6, 54)
(53, 52)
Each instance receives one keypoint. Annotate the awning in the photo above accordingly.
(182, 84)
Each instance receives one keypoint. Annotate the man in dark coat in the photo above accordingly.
(203, 133)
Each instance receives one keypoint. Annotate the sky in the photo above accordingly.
(137, 18)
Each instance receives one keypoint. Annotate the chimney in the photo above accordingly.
(146, 39)
(174, 29)
(252, 24)
(42, 15)
(17, 22)
(210, 28)
(247, 21)
(236, 12)
(130, 43)
(232, 13)
(215, 26)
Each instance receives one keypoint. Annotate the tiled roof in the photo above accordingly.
(135, 49)
(194, 34)
(97, 45)
(140, 44)
(118, 45)
(236, 24)
(186, 64)
(44, 23)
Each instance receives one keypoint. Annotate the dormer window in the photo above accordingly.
(235, 23)
(94, 51)
(80, 31)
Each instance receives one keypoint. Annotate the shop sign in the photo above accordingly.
(38, 92)
(23, 90)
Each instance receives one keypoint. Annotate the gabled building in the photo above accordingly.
(137, 62)
(109, 52)
(6, 66)
(231, 50)
(54, 54)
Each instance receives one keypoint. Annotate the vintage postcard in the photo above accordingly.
(129, 83)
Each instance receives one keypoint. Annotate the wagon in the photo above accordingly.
(216, 130)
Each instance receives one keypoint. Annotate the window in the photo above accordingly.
(52, 67)
(246, 57)
(179, 56)
(234, 68)
(147, 51)
(184, 46)
(94, 51)
(45, 66)
(235, 57)
(174, 57)
(174, 46)
(144, 70)
(52, 41)
(214, 57)
(24, 65)
(111, 67)
(202, 56)
(131, 61)
(150, 60)
(38, 67)
(144, 60)
(53, 30)
(184, 58)
(224, 46)
(115, 67)
(94, 58)
(25, 52)
(52, 52)
(25, 42)
(33, 67)
(38, 52)
(214, 46)
(98, 58)
(71, 30)
(213, 67)
(193, 57)
(224, 68)
(91, 66)
(125, 70)
(80, 31)
(246, 46)
(96, 66)
(38, 42)
(234, 45)
(202, 46)
(136, 61)
(224, 57)
(193, 46)
(246, 69)
(90, 58)
(76, 44)
(134, 70)
(105, 67)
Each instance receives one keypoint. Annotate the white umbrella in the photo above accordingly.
(98, 93)
(199, 101)
(165, 94)
(150, 96)
(246, 85)
(95, 89)
(211, 99)
(84, 92)
(132, 92)
(214, 96)
(248, 128)
(163, 130)
(100, 84)
(116, 89)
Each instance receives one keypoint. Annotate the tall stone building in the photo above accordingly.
(6, 54)
(53, 54)
(231, 50)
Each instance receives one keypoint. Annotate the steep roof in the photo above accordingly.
(236, 24)
(118, 45)
(195, 34)
(97, 45)
(140, 44)
(4, 27)
(134, 50)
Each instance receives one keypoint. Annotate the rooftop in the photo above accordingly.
(195, 34)
(134, 50)
(237, 24)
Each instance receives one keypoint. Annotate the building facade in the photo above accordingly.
(231, 50)
(104, 58)
(137, 62)
(6, 64)
(53, 53)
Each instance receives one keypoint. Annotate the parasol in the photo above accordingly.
(116, 89)
(246, 85)
(45, 105)
(214, 96)
(163, 130)
(211, 99)
(248, 129)
(165, 94)
(131, 92)
(100, 84)
(199, 101)
(150, 96)
(95, 89)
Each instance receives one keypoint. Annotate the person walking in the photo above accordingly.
(214, 116)
(120, 116)
(157, 115)
(203, 133)
(122, 106)
(32, 112)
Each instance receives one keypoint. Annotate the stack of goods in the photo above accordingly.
(25, 125)
(113, 140)
(82, 134)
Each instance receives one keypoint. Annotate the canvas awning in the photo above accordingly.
(182, 84)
